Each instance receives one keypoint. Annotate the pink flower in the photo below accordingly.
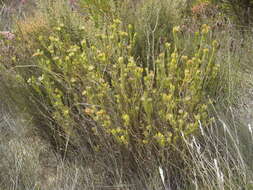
(72, 1)
(7, 34)
(73, 4)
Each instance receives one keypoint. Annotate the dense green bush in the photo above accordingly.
(101, 80)
(153, 21)
(240, 11)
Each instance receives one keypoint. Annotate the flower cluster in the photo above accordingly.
(7, 34)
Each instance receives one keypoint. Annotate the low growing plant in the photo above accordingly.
(137, 106)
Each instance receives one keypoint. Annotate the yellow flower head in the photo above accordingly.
(205, 29)
(215, 44)
(176, 29)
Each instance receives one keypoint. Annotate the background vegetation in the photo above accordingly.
(126, 95)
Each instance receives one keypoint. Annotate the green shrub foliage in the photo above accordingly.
(97, 86)
(240, 11)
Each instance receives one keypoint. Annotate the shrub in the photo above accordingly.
(89, 85)
(93, 92)
(100, 10)
(153, 21)
(117, 88)
(100, 81)
(240, 11)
